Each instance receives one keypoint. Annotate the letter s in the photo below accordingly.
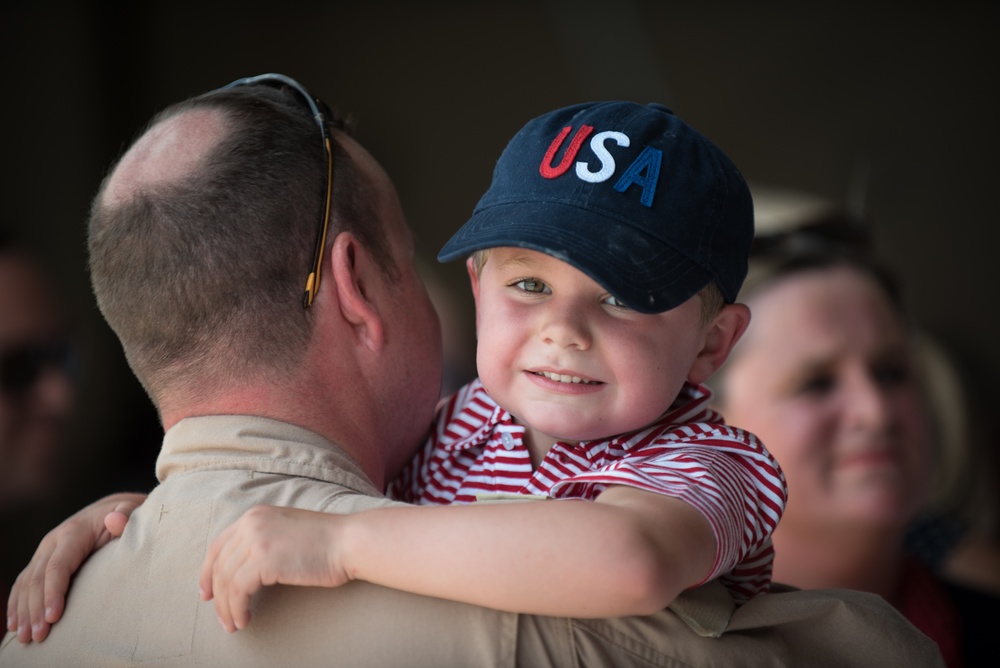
(607, 161)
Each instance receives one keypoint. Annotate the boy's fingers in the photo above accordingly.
(57, 570)
(234, 585)
(56, 586)
(30, 606)
(13, 616)
(38, 596)
(36, 601)
(40, 631)
(115, 522)
(22, 619)
(215, 580)
(208, 566)
(243, 585)
(220, 590)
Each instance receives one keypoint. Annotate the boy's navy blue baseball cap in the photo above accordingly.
(628, 194)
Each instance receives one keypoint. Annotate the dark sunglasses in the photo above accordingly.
(22, 366)
(321, 114)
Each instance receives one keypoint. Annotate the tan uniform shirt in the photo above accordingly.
(135, 602)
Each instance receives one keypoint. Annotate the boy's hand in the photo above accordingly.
(38, 596)
(271, 545)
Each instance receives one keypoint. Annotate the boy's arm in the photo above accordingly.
(38, 596)
(629, 553)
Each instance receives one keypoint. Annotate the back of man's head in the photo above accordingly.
(202, 236)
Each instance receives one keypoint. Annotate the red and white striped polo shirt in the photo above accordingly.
(476, 450)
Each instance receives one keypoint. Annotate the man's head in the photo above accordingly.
(202, 236)
(201, 239)
(628, 194)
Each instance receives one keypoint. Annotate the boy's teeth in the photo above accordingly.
(563, 378)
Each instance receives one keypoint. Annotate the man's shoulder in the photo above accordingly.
(366, 625)
(817, 621)
(787, 627)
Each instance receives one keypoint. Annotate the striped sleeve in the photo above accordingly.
(722, 471)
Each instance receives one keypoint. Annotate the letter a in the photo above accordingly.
(546, 168)
(649, 160)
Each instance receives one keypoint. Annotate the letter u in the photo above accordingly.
(546, 168)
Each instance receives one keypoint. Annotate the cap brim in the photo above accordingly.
(650, 277)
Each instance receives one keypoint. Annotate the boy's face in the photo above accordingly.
(566, 359)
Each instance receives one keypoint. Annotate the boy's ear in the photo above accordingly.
(470, 265)
(720, 336)
(355, 276)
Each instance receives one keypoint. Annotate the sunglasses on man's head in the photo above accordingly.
(321, 114)
(22, 366)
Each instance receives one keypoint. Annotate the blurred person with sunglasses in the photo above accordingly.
(829, 376)
(36, 394)
(200, 239)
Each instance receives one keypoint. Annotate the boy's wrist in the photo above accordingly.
(346, 540)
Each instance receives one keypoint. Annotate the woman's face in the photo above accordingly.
(824, 377)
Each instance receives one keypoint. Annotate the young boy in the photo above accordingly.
(606, 257)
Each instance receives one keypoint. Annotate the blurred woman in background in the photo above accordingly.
(828, 376)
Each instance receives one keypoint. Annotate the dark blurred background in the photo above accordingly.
(889, 108)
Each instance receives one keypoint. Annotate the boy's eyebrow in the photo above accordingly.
(518, 260)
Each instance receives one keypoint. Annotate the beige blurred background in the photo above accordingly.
(892, 110)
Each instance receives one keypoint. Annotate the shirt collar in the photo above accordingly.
(246, 442)
(691, 401)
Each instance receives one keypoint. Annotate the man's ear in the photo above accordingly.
(470, 265)
(355, 275)
(720, 336)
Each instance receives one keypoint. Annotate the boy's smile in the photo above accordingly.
(565, 378)
(566, 358)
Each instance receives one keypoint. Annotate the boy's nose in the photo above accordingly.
(566, 327)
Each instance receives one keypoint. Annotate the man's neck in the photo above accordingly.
(336, 421)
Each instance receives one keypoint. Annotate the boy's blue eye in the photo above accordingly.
(611, 300)
(532, 285)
